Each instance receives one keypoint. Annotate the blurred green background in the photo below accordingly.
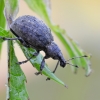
(81, 20)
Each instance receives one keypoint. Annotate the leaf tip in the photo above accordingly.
(89, 72)
(66, 86)
(89, 56)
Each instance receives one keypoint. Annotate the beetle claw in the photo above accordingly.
(37, 73)
(47, 78)
(21, 62)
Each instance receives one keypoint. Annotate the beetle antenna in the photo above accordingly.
(72, 65)
(77, 57)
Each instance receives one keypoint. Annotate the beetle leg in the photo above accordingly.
(56, 67)
(54, 70)
(17, 38)
(4, 38)
(42, 66)
(22, 62)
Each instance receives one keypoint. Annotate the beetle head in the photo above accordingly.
(62, 60)
(54, 52)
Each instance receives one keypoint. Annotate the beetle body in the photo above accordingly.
(33, 31)
(37, 35)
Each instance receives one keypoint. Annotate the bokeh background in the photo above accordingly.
(81, 20)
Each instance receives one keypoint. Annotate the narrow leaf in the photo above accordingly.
(40, 8)
(48, 5)
(73, 50)
(2, 19)
(3, 33)
(36, 61)
(16, 78)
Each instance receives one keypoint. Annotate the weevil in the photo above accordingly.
(33, 32)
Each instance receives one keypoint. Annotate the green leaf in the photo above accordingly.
(3, 33)
(2, 19)
(72, 48)
(83, 61)
(36, 61)
(39, 7)
(16, 78)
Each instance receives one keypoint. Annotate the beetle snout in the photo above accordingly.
(63, 63)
